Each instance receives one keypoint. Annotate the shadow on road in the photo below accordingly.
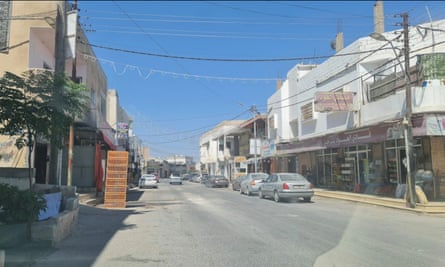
(96, 227)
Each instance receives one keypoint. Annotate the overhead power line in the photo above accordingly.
(224, 59)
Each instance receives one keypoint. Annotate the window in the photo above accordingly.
(5, 9)
(307, 112)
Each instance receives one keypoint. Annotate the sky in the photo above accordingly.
(182, 67)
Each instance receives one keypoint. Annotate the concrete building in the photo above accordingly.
(358, 143)
(180, 164)
(28, 40)
(229, 148)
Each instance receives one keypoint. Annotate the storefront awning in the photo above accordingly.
(108, 140)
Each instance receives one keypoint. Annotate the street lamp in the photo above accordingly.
(408, 129)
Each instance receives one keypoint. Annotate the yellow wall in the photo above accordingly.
(16, 59)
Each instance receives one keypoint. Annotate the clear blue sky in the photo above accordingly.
(150, 46)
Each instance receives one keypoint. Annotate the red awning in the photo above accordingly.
(108, 141)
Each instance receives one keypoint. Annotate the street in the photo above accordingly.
(191, 225)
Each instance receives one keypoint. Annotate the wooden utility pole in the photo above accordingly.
(71, 132)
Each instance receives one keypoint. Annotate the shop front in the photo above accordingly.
(370, 160)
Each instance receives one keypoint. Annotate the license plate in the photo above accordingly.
(298, 186)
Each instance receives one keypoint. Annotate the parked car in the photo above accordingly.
(236, 184)
(174, 179)
(156, 177)
(196, 178)
(204, 178)
(281, 186)
(252, 183)
(148, 181)
(186, 176)
(217, 181)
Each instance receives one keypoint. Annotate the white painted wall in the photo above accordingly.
(350, 73)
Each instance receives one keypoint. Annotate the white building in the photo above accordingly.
(358, 143)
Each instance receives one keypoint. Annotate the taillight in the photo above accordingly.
(311, 185)
(285, 186)
(252, 182)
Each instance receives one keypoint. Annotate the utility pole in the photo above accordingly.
(411, 201)
(59, 68)
(71, 131)
(254, 111)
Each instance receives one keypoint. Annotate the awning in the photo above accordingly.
(108, 140)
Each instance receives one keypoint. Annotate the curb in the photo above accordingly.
(431, 207)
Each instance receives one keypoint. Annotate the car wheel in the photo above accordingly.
(307, 199)
(260, 194)
(276, 197)
(241, 190)
(248, 192)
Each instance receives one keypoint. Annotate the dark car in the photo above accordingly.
(236, 184)
(217, 181)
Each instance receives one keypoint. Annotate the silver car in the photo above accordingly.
(252, 182)
(148, 180)
(281, 186)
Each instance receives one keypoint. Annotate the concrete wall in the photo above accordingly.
(17, 177)
(83, 166)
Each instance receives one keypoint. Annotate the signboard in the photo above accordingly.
(255, 146)
(122, 127)
(334, 101)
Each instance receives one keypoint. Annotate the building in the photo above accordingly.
(230, 149)
(180, 164)
(30, 39)
(341, 122)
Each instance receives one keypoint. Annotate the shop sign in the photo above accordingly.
(350, 138)
(122, 127)
(333, 101)
(268, 148)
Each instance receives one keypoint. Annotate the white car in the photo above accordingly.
(175, 179)
(148, 181)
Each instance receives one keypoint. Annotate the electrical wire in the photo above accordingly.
(224, 59)
(350, 81)
(178, 63)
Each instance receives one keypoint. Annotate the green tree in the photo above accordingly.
(39, 103)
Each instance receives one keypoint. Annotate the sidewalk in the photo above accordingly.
(430, 207)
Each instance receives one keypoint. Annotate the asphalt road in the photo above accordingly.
(191, 225)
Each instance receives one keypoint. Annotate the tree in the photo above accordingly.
(39, 103)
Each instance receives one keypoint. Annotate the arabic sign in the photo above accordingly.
(333, 101)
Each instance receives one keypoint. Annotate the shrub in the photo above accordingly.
(19, 206)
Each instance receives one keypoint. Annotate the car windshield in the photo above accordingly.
(148, 177)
